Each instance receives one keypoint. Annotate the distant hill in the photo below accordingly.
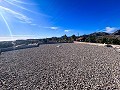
(103, 37)
(116, 32)
(99, 34)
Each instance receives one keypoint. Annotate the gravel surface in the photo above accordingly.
(60, 67)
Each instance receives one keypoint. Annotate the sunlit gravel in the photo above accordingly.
(60, 67)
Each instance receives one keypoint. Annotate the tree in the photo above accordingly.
(104, 40)
(91, 39)
(64, 38)
(73, 38)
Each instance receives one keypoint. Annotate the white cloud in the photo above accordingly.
(18, 1)
(17, 15)
(17, 37)
(53, 28)
(67, 30)
(23, 35)
(34, 24)
(110, 29)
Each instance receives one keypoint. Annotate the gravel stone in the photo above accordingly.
(60, 67)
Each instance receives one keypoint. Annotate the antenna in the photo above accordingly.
(78, 34)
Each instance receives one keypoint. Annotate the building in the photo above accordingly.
(81, 39)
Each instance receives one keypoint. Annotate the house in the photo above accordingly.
(81, 39)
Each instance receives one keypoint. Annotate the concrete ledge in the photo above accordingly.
(18, 47)
(98, 44)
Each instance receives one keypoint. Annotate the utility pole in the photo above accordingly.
(78, 34)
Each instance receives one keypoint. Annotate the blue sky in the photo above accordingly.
(21, 19)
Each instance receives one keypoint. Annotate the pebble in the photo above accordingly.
(72, 67)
